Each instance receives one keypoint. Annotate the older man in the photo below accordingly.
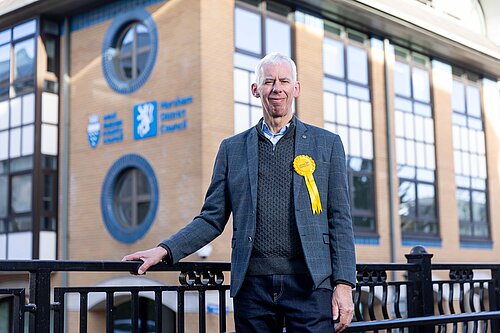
(284, 181)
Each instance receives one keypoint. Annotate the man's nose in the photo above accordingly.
(277, 87)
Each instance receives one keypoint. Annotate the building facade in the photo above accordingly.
(111, 114)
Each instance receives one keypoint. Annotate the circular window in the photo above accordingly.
(129, 198)
(129, 51)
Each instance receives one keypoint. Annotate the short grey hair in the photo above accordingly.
(274, 58)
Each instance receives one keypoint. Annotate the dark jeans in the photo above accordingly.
(267, 303)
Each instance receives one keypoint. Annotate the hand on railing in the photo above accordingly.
(342, 306)
(149, 257)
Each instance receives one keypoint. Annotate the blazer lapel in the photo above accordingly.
(302, 147)
(253, 168)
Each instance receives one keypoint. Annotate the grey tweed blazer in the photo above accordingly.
(326, 238)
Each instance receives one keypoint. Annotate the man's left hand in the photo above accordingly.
(342, 306)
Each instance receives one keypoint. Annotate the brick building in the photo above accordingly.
(111, 113)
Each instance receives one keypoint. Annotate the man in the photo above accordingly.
(285, 184)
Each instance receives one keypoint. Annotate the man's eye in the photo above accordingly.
(268, 82)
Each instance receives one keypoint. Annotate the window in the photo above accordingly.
(415, 149)
(250, 47)
(132, 197)
(470, 158)
(6, 315)
(129, 199)
(130, 49)
(348, 112)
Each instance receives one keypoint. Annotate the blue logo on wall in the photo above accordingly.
(145, 120)
(93, 130)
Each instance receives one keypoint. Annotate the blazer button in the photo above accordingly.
(250, 239)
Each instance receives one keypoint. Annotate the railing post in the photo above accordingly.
(494, 297)
(39, 301)
(420, 296)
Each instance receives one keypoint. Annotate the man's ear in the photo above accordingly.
(255, 92)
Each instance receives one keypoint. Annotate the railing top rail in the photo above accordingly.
(412, 267)
(104, 265)
(465, 265)
(128, 266)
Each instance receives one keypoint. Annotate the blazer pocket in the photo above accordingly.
(326, 238)
(233, 243)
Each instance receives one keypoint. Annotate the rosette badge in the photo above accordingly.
(305, 166)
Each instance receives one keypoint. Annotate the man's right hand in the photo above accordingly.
(149, 257)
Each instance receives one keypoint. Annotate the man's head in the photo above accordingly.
(276, 85)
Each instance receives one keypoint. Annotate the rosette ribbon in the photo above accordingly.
(305, 166)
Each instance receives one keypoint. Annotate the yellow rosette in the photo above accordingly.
(305, 166)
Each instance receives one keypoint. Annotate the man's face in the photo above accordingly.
(276, 90)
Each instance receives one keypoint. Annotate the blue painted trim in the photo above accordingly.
(423, 242)
(122, 21)
(107, 12)
(487, 245)
(367, 240)
(115, 228)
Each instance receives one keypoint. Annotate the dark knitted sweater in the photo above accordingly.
(276, 248)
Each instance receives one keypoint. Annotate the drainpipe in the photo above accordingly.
(390, 157)
(64, 220)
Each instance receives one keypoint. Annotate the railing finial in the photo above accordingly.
(419, 249)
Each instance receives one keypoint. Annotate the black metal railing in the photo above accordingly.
(416, 297)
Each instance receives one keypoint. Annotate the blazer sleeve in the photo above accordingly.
(339, 219)
(213, 216)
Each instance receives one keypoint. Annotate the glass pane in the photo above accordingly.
(244, 61)
(341, 107)
(479, 206)
(15, 112)
(329, 106)
(3, 196)
(430, 159)
(255, 115)
(343, 132)
(247, 31)
(21, 164)
(419, 128)
(142, 211)
(4, 145)
(241, 117)
(458, 97)
(429, 130)
(334, 86)
(463, 202)
(422, 109)
(473, 101)
(124, 185)
(277, 37)
(21, 223)
(28, 140)
(354, 142)
(25, 29)
(5, 36)
(49, 139)
(367, 145)
(5, 63)
(125, 214)
(403, 104)
(420, 153)
(21, 193)
(15, 143)
(142, 184)
(358, 92)
(48, 192)
(400, 151)
(426, 200)
(421, 87)
(410, 153)
(362, 192)
(241, 86)
(333, 57)
(407, 198)
(143, 39)
(409, 129)
(4, 115)
(357, 65)
(24, 59)
(28, 108)
(402, 79)
(361, 222)
(354, 120)
(366, 116)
